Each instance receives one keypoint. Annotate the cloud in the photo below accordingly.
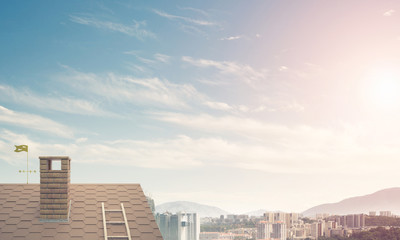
(202, 12)
(181, 152)
(279, 105)
(162, 57)
(184, 19)
(283, 68)
(176, 153)
(240, 71)
(81, 140)
(232, 108)
(138, 69)
(146, 60)
(218, 105)
(257, 145)
(270, 147)
(293, 106)
(157, 57)
(241, 143)
(389, 13)
(134, 30)
(190, 29)
(34, 122)
(230, 124)
(136, 91)
(56, 103)
(230, 38)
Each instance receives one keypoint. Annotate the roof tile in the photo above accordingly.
(77, 232)
(19, 212)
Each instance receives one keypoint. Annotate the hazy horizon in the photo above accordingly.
(277, 105)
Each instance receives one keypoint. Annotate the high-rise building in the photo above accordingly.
(372, 213)
(278, 216)
(163, 222)
(271, 230)
(314, 230)
(317, 229)
(269, 216)
(263, 229)
(349, 221)
(355, 221)
(278, 231)
(179, 226)
(385, 213)
(291, 219)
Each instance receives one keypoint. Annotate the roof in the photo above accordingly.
(20, 210)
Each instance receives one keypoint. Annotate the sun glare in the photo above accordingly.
(384, 89)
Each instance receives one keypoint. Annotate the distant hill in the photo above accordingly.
(384, 200)
(182, 206)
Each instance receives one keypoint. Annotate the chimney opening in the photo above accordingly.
(55, 165)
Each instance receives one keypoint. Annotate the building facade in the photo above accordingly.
(271, 230)
(179, 226)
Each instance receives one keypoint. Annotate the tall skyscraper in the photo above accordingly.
(385, 213)
(179, 226)
(349, 221)
(271, 230)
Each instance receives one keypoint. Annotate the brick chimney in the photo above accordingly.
(54, 188)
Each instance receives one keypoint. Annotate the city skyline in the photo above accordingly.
(271, 105)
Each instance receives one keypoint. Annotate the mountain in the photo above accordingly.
(384, 200)
(182, 206)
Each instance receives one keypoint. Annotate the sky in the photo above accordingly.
(276, 105)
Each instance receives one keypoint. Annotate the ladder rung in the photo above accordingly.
(113, 210)
(125, 222)
(116, 222)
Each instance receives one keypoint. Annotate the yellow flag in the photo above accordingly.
(21, 148)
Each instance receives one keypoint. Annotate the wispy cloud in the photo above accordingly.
(230, 38)
(219, 105)
(134, 30)
(240, 71)
(389, 13)
(157, 57)
(138, 69)
(197, 10)
(137, 91)
(162, 57)
(241, 108)
(176, 152)
(272, 148)
(283, 68)
(194, 30)
(55, 103)
(279, 148)
(35, 122)
(185, 19)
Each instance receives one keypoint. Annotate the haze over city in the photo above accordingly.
(277, 105)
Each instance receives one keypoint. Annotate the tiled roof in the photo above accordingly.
(20, 211)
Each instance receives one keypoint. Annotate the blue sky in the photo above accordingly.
(279, 105)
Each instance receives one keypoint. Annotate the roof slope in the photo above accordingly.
(20, 210)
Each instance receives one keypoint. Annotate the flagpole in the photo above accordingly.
(26, 167)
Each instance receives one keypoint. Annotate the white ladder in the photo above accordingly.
(125, 222)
